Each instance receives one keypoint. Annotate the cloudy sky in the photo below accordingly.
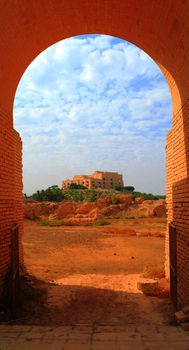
(93, 103)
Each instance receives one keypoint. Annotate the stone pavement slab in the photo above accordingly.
(94, 337)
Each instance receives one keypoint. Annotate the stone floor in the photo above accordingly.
(90, 337)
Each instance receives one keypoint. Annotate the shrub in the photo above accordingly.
(92, 196)
(147, 196)
(77, 187)
(52, 194)
(101, 222)
(74, 195)
(124, 188)
(51, 223)
(81, 195)
(115, 200)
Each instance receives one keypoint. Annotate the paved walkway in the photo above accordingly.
(90, 337)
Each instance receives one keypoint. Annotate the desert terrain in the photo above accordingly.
(89, 274)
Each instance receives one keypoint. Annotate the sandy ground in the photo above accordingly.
(91, 276)
(55, 252)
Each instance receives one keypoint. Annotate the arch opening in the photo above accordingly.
(147, 74)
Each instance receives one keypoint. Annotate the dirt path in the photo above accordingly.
(91, 276)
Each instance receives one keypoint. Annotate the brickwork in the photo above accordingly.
(159, 27)
(10, 189)
(18, 186)
(177, 155)
(6, 192)
(181, 198)
(169, 197)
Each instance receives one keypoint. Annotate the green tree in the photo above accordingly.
(125, 188)
(52, 194)
(77, 187)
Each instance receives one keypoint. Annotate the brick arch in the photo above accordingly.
(160, 28)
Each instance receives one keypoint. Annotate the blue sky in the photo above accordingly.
(93, 103)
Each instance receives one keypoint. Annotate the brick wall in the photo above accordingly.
(180, 194)
(177, 179)
(6, 192)
(161, 30)
(10, 190)
(169, 197)
(18, 186)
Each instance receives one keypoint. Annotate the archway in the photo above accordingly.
(164, 38)
(44, 94)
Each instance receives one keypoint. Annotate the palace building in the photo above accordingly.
(99, 179)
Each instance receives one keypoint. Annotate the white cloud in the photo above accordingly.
(93, 102)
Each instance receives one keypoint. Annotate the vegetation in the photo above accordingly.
(81, 195)
(126, 189)
(55, 194)
(115, 199)
(78, 193)
(52, 194)
(77, 187)
(51, 223)
(101, 222)
(147, 196)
